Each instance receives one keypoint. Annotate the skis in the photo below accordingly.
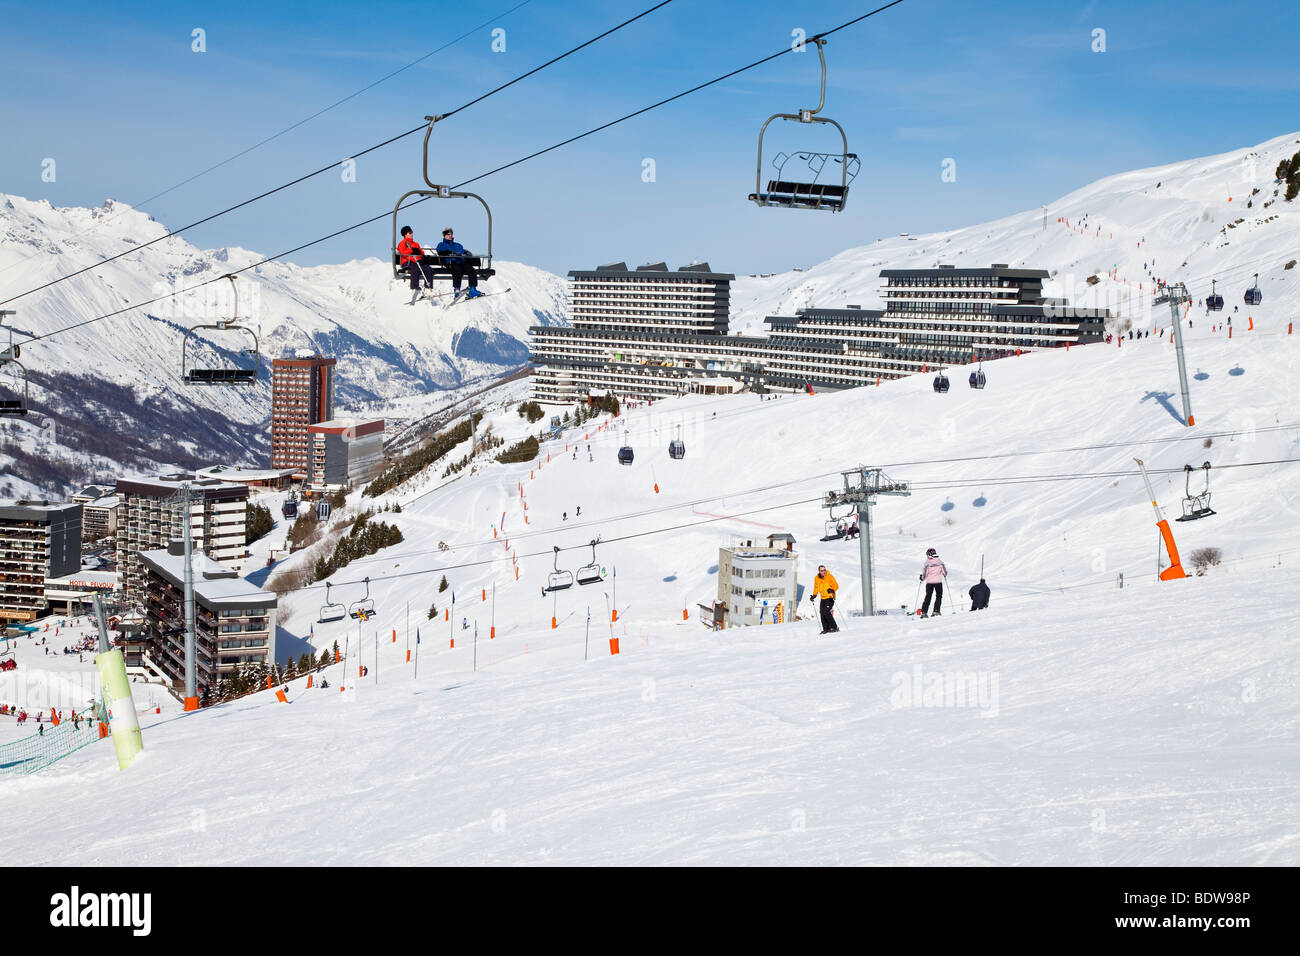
(464, 296)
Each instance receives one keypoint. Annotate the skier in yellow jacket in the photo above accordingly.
(824, 587)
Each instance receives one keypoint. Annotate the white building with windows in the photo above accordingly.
(758, 585)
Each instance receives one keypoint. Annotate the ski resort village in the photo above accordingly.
(738, 528)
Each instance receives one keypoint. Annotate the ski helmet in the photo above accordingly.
(931, 553)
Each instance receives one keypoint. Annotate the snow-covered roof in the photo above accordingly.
(214, 583)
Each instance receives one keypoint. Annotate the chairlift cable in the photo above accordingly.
(288, 129)
(325, 169)
(387, 213)
(710, 520)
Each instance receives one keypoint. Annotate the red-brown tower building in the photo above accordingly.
(302, 394)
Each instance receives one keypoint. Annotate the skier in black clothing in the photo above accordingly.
(979, 596)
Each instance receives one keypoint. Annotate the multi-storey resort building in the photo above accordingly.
(640, 338)
(151, 515)
(234, 621)
(302, 394)
(38, 541)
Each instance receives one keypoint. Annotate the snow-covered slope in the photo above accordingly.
(1153, 723)
(1219, 217)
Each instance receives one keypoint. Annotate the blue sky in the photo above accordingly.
(1012, 91)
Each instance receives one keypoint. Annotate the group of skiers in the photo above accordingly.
(933, 574)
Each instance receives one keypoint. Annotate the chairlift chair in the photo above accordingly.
(792, 193)
(558, 579)
(1213, 301)
(441, 270)
(590, 573)
(233, 375)
(364, 608)
(977, 379)
(290, 508)
(330, 611)
(1196, 505)
(835, 528)
(322, 510)
(677, 447)
(941, 383)
(625, 455)
(14, 395)
(1253, 295)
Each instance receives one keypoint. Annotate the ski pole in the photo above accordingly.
(916, 602)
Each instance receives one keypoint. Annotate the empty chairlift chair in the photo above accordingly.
(625, 455)
(363, 609)
(1253, 295)
(977, 379)
(806, 192)
(941, 383)
(290, 508)
(322, 510)
(1196, 505)
(233, 374)
(330, 611)
(590, 573)
(13, 379)
(558, 579)
(1214, 301)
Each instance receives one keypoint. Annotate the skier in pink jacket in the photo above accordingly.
(933, 574)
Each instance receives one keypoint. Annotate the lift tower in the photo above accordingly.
(861, 486)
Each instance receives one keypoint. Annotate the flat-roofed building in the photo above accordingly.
(344, 452)
(648, 333)
(234, 621)
(302, 393)
(757, 584)
(151, 515)
(38, 541)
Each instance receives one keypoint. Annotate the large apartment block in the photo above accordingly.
(38, 541)
(951, 316)
(635, 339)
(344, 452)
(151, 515)
(234, 621)
(302, 394)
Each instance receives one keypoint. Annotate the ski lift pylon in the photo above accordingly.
(482, 263)
(234, 375)
(792, 193)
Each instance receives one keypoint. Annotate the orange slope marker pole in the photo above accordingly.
(1175, 569)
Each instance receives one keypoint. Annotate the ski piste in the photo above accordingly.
(464, 297)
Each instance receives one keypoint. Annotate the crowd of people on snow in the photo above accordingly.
(933, 575)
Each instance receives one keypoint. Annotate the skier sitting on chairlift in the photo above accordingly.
(455, 256)
(415, 261)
